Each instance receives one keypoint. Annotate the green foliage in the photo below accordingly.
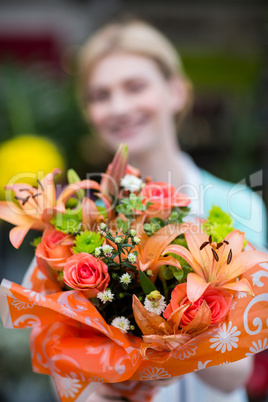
(36, 241)
(131, 205)
(73, 177)
(154, 225)
(146, 284)
(70, 222)
(87, 241)
(178, 214)
(123, 225)
(218, 224)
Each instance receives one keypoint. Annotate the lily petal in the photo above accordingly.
(195, 237)
(161, 239)
(236, 241)
(200, 322)
(72, 189)
(110, 181)
(186, 255)
(149, 323)
(90, 213)
(196, 286)
(13, 214)
(240, 286)
(242, 262)
(17, 234)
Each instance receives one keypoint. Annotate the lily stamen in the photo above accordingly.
(215, 255)
(35, 195)
(40, 184)
(229, 258)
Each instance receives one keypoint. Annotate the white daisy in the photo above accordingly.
(107, 249)
(103, 226)
(132, 258)
(136, 240)
(131, 183)
(133, 232)
(97, 251)
(126, 278)
(122, 323)
(155, 306)
(105, 296)
(118, 239)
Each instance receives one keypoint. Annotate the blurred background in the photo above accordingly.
(224, 48)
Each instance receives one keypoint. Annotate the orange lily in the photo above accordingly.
(151, 250)
(110, 181)
(163, 335)
(216, 264)
(37, 205)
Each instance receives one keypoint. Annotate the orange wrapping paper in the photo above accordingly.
(72, 342)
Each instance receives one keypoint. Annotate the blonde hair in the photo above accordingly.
(138, 37)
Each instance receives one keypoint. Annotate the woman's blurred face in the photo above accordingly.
(130, 101)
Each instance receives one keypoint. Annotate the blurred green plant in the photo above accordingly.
(37, 101)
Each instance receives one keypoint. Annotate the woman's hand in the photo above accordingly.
(105, 393)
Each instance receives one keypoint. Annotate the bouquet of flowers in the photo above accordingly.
(125, 287)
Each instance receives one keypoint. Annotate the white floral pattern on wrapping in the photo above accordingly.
(153, 373)
(201, 365)
(20, 305)
(185, 351)
(257, 347)
(233, 305)
(69, 313)
(241, 295)
(226, 338)
(96, 379)
(67, 386)
(35, 296)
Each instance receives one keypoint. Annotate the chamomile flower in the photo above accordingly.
(133, 232)
(155, 304)
(97, 251)
(136, 240)
(106, 296)
(103, 226)
(131, 183)
(107, 250)
(125, 279)
(118, 239)
(122, 323)
(132, 258)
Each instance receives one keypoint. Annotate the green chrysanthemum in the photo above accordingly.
(70, 222)
(218, 224)
(87, 241)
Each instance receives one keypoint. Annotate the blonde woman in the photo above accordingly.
(134, 90)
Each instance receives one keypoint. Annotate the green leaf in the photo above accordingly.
(146, 284)
(178, 274)
(73, 177)
(36, 241)
(168, 273)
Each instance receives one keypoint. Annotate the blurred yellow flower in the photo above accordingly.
(25, 158)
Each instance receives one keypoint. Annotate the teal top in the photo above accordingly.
(245, 206)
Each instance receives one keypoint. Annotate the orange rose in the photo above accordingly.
(85, 272)
(164, 197)
(54, 250)
(219, 302)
